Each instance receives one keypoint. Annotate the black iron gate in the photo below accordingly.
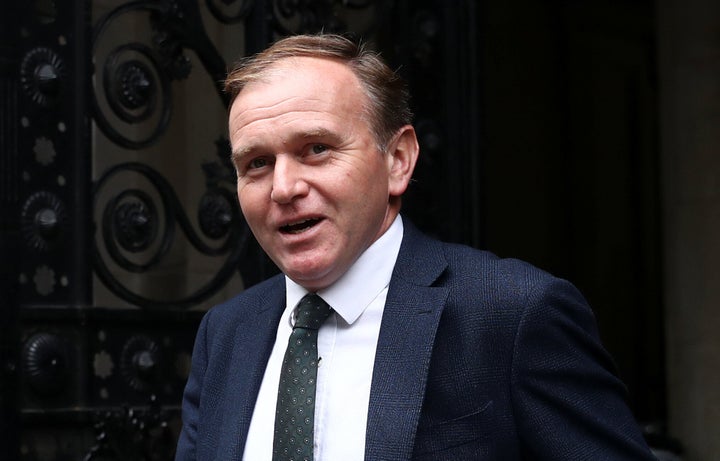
(119, 222)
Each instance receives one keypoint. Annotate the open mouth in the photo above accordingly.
(300, 226)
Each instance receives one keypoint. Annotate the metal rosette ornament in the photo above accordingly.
(45, 363)
(132, 81)
(44, 220)
(41, 74)
(139, 363)
(138, 230)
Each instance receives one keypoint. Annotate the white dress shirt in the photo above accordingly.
(346, 347)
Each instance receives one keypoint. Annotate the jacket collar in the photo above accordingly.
(407, 333)
(253, 343)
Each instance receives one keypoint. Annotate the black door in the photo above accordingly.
(119, 220)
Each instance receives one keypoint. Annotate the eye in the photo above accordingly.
(257, 162)
(318, 148)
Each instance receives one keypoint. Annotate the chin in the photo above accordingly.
(314, 279)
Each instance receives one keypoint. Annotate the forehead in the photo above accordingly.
(298, 76)
(298, 87)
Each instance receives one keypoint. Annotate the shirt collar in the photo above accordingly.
(363, 281)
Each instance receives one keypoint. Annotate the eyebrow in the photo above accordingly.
(317, 132)
(237, 154)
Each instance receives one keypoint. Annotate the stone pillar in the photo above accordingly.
(689, 64)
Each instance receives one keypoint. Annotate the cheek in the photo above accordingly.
(249, 203)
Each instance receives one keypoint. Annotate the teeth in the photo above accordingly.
(298, 227)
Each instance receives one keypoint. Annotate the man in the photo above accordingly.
(432, 351)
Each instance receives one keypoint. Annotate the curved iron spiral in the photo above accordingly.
(130, 224)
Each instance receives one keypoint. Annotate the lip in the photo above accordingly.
(303, 234)
(299, 226)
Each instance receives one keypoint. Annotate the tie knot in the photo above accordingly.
(312, 311)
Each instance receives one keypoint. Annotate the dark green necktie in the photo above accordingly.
(295, 411)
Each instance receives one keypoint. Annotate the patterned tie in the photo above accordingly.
(295, 413)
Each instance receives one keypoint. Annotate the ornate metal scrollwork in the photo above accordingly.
(136, 77)
(294, 15)
(231, 11)
(217, 204)
(139, 363)
(136, 90)
(43, 218)
(138, 228)
(44, 150)
(41, 75)
(134, 86)
(167, 42)
(131, 225)
(45, 363)
(215, 213)
(134, 220)
(133, 434)
(130, 220)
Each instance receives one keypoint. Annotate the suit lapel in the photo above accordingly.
(253, 342)
(410, 320)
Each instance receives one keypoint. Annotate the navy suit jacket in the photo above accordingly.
(478, 358)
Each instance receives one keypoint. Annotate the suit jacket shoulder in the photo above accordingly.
(506, 358)
(232, 347)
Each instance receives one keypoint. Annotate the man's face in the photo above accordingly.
(312, 184)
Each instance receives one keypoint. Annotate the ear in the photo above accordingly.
(402, 155)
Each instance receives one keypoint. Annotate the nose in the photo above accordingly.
(288, 183)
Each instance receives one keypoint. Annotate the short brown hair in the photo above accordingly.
(388, 98)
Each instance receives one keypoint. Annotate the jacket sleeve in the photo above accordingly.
(186, 447)
(568, 402)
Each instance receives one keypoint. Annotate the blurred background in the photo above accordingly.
(581, 136)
